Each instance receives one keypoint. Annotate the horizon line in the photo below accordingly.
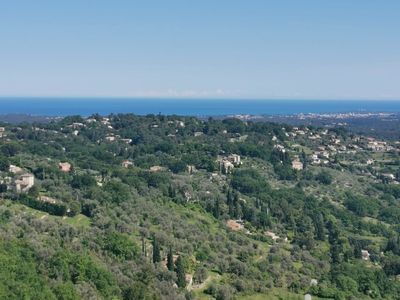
(180, 98)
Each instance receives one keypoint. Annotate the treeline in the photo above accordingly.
(57, 209)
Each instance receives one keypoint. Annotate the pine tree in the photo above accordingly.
(180, 273)
(170, 260)
(156, 251)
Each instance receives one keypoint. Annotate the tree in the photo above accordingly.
(3, 189)
(238, 213)
(336, 247)
(391, 265)
(200, 275)
(180, 272)
(10, 149)
(360, 205)
(118, 191)
(34, 191)
(171, 191)
(303, 159)
(74, 208)
(4, 164)
(156, 251)
(82, 181)
(170, 260)
(319, 228)
(229, 202)
(65, 291)
(121, 246)
(357, 249)
(324, 177)
(393, 245)
(305, 233)
(216, 209)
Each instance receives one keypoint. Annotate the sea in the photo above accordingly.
(189, 107)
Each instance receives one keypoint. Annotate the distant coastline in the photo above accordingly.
(191, 107)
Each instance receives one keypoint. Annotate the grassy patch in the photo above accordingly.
(77, 221)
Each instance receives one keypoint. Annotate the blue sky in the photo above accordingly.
(309, 49)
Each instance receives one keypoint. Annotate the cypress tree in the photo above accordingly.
(216, 210)
(357, 250)
(156, 251)
(180, 273)
(170, 260)
(229, 202)
(319, 228)
(303, 159)
(171, 191)
(336, 246)
(143, 246)
(238, 209)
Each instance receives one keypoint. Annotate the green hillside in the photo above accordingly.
(168, 207)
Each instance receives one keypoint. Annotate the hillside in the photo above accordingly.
(170, 207)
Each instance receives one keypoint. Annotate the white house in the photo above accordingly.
(297, 165)
(365, 254)
(14, 169)
(235, 159)
(127, 164)
(24, 183)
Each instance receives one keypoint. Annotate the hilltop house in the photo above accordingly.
(365, 254)
(47, 199)
(76, 125)
(226, 166)
(191, 169)
(297, 165)
(110, 138)
(228, 163)
(14, 169)
(91, 120)
(105, 121)
(370, 161)
(127, 164)
(315, 159)
(157, 169)
(388, 176)
(64, 167)
(127, 141)
(274, 236)
(235, 225)
(234, 159)
(280, 148)
(24, 183)
(377, 146)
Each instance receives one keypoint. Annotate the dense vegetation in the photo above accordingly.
(137, 232)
